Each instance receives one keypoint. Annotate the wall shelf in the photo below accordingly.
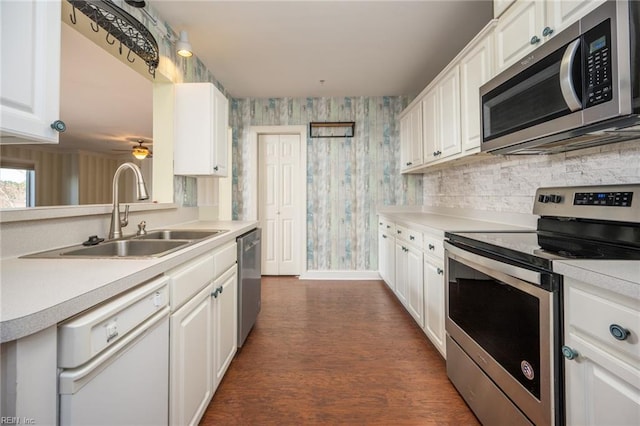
(332, 129)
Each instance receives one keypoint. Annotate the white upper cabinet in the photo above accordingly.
(441, 117)
(30, 69)
(476, 68)
(200, 131)
(562, 13)
(519, 31)
(411, 134)
(528, 24)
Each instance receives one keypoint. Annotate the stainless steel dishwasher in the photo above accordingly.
(249, 281)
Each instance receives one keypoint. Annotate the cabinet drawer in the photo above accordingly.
(411, 236)
(187, 280)
(592, 316)
(434, 246)
(224, 258)
(387, 226)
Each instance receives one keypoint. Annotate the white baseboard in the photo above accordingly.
(340, 275)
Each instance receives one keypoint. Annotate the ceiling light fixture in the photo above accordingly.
(140, 152)
(183, 47)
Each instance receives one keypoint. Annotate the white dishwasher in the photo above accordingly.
(114, 360)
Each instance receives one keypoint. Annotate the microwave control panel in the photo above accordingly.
(597, 57)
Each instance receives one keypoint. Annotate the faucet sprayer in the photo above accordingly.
(115, 230)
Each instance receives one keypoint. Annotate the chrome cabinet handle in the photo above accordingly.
(440, 271)
(221, 288)
(618, 332)
(388, 226)
(569, 353)
(432, 247)
(215, 168)
(59, 126)
(547, 31)
(384, 236)
(215, 293)
(534, 40)
(409, 163)
(411, 237)
(399, 231)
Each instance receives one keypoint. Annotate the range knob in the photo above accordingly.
(555, 198)
(542, 198)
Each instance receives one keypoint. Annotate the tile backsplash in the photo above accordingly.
(508, 183)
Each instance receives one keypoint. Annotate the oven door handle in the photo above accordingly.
(458, 253)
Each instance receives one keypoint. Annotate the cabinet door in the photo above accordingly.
(411, 138)
(191, 361)
(430, 123)
(449, 113)
(476, 68)
(30, 69)
(401, 273)
(416, 135)
(516, 30)
(199, 113)
(562, 13)
(386, 259)
(415, 283)
(221, 117)
(434, 304)
(225, 322)
(600, 388)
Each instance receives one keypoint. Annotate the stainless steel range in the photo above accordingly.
(504, 300)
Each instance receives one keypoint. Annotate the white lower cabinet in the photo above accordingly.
(225, 322)
(415, 261)
(203, 331)
(387, 252)
(434, 303)
(401, 272)
(191, 358)
(602, 356)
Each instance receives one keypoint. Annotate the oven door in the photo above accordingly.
(504, 321)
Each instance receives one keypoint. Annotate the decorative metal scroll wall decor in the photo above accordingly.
(332, 129)
(122, 27)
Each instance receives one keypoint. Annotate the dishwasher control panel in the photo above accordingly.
(86, 335)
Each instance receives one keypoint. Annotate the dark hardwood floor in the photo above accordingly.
(335, 352)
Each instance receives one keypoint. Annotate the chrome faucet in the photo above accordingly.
(117, 223)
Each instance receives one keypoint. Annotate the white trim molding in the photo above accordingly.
(341, 275)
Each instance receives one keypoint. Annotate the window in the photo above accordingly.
(17, 185)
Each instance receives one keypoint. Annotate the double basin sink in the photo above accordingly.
(153, 244)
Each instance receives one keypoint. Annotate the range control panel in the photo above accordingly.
(606, 202)
(614, 199)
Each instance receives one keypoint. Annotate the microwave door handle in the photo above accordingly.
(566, 82)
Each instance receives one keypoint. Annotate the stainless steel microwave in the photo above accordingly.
(579, 89)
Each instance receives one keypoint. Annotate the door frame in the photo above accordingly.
(252, 178)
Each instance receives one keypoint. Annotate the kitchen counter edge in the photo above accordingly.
(29, 320)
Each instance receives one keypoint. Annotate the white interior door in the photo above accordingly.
(280, 180)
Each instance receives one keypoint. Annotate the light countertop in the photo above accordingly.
(439, 224)
(38, 293)
(619, 276)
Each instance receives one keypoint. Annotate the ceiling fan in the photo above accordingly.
(139, 151)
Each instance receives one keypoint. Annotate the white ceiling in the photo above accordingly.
(268, 49)
(360, 48)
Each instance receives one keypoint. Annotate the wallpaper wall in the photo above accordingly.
(508, 183)
(346, 177)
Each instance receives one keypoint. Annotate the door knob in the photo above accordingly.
(618, 332)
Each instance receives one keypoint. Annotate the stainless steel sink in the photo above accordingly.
(179, 234)
(156, 243)
(128, 248)
(116, 249)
